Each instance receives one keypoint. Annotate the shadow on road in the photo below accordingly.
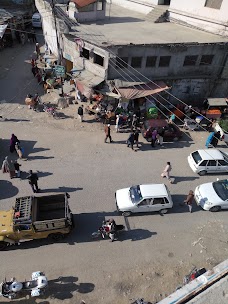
(7, 189)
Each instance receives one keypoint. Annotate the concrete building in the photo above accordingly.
(208, 15)
(130, 47)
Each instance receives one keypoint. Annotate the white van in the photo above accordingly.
(36, 20)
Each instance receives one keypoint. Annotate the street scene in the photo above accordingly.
(104, 186)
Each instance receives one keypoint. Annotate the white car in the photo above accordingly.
(208, 161)
(212, 196)
(143, 198)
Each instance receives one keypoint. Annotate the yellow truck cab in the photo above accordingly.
(36, 218)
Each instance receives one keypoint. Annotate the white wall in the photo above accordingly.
(142, 6)
(195, 13)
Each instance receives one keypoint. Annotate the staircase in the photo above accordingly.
(158, 14)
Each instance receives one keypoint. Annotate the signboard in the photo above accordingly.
(59, 70)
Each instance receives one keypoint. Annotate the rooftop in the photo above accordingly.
(126, 26)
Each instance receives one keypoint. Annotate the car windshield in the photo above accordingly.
(135, 194)
(221, 189)
(196, 156)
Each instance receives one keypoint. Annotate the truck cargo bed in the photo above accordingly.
(49, 207)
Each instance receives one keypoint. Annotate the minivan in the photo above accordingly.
(36, 20)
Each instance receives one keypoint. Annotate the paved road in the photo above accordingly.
(155, 252)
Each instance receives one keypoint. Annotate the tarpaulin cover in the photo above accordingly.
(2, 29)
(85, 81)
(142, 90)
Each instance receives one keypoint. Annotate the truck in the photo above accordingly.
(36, 217)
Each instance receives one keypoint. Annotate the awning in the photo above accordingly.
(217, 102)
(3, 29)
(85, 81)
(83, 3)
(133, 90)
(106, 89)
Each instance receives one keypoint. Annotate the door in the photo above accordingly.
(212, 166)
(159, 203)
(24, 231)
(222, 166)
(144, 205)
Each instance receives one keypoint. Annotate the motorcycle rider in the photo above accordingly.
(112, 230)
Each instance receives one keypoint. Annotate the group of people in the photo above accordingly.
(13, 167)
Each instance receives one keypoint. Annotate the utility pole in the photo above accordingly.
(57, 42)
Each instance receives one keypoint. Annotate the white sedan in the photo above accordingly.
(143, 198)
(212, 196)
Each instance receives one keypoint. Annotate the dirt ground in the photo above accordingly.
(152, 255)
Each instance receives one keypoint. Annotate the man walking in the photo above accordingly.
(33, 178)
(37, 49)
(80, 113)
(161, 132)
(107, 133)
(189, 200)
(130, 141)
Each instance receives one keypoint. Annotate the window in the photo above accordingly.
(212, 163)
(85, 53)
(136, 62)
(144, 203)
(100, 5)
(190, 60)
(216, 4)
(158, 201)
(151, 61)
(98, 59)
(164, 61)
(206, 59)
(121, 62)
(204, 163)
(87, 8)
(222, 163)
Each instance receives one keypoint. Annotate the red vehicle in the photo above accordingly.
(172, 132)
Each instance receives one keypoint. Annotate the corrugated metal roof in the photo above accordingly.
(83, 3)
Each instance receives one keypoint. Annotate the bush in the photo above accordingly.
(224, 124)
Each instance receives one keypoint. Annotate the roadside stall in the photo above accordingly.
(217, 107)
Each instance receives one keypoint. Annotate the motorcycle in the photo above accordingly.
(195, 273)
(36, 286)
(104, 230)
(50, 110)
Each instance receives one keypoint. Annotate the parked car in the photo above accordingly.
(208, 161)
(212, 196)
(143, 198)
(224, 135)
(172, 132)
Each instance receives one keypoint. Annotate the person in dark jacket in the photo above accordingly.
(80, 113)
(13, 142)
(215, 139)
(107, 133)
(33, 179)
(136, 137)
(130, 141)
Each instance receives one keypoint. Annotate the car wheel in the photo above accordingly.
(215, 209)
(175, 139)
(3, 245)
(163, 211)
(56, 236)
(201, 173)
(126, 213)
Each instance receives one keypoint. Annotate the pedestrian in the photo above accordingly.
(107, 133)
(136, 137)
(11, 169)
(80, 113)
(130, 141)
(17, 169)
(22, 38)
(166, 172)
(134, 122)
(33, 35)
(5, 165)
(160, 136)
(13, 141)
(18, 150)
(189, 200)
(215, 139)
(33, 179)
(37, 49)
(209, 139)
(172, 118)
(117, 126)
(153, 137)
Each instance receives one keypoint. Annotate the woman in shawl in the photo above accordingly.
(5, 165)
(13, 141)
(18, 150)
(12, 169)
